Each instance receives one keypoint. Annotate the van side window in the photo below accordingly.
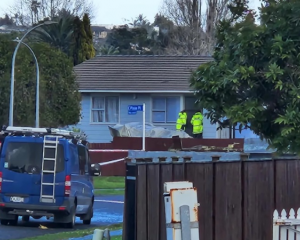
(82, 159)
(74, 159)
(26, 157)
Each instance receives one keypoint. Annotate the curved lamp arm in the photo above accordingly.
(12, 81)
(37, 107)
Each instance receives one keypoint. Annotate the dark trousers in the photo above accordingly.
(198, 135)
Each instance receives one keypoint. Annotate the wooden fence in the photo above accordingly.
(237, 198)
(164, 144)
(104, 152)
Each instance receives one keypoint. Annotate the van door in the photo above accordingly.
(21, 165)
(77, 186)
(84, 173)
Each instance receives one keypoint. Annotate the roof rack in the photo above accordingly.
(31, 131)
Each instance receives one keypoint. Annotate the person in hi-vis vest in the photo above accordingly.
(197, 122)
(181, 121)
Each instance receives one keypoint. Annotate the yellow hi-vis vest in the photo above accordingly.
(197, 122)
(181, 120)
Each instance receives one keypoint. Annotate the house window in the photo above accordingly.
(165, 109)
(105, 109)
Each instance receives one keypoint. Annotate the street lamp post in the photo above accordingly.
(37, 117)
(12, 81)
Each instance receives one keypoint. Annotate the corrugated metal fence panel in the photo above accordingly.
(100, 146)
(163, 144)
(237, 198)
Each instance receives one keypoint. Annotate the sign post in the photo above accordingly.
(132, 110)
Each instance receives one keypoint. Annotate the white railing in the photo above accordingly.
(286, 226)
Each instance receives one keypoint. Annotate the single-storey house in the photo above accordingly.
(109, 84)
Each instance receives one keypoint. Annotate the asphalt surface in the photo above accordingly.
(107, 210)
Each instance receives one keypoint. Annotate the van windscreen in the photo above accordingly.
(26, 157)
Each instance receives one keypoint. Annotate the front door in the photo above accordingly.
(191, 109)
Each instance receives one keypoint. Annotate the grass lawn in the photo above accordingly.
(109, 182)
(75, 234)
(109, 192)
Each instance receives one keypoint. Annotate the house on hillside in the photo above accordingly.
(109, 84)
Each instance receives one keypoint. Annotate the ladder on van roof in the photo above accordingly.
(50, 144)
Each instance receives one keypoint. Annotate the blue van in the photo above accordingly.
(45, 173)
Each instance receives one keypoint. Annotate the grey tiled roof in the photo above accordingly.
(137, 73)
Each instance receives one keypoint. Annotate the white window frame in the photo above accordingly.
(94, 109)
(154, 110)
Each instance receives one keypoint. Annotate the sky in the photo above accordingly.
(116, 11)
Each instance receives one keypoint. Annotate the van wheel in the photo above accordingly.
(25, 218)
(13, 222)
(73, 218)
(4, 222)
(89, 215)
(87, 222)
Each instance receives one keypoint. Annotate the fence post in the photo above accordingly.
(162, 159)
(181, 211)
(244, 156)
(187, 158)
(215, 158)
(129, 218)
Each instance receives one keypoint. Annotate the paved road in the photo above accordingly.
(108, 210)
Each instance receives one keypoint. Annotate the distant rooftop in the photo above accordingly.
(9, 29)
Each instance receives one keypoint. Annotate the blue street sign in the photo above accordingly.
(131, 113)
(133, 109)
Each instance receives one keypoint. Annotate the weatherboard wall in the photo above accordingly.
(99, 132)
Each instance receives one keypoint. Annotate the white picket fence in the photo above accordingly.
(286, 226)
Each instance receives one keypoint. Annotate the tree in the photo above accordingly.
(106, 50)
(87, 41)
(136, 37)
(82, 47)
(6, 21)
(71, 35)
(195, 22)
(254, 78)
(59, 97)
(29, 12)
(165, 30)
(130, 40)
(58, 35)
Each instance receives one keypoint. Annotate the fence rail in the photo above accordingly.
(237, 198)
(286, 226)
